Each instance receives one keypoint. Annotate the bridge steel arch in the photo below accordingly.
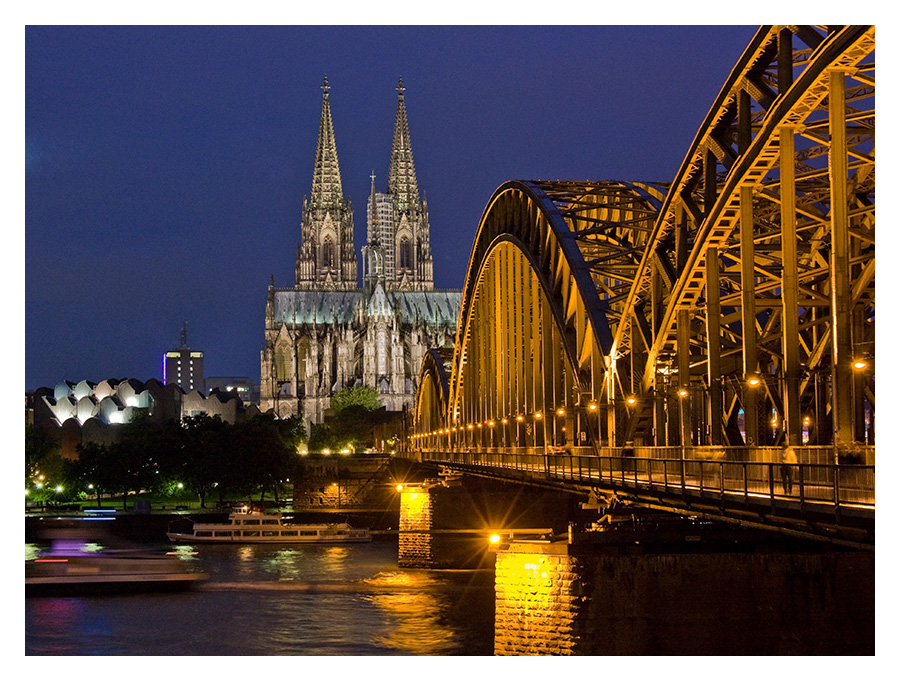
(763, 256)
(550, 268)
(728, 307)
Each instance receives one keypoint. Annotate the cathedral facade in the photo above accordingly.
(331, 330)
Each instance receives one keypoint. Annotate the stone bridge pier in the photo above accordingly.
(562, 598)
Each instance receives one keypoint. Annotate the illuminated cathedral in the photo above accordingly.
(331, 331)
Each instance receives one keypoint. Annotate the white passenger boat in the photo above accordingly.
(251, 526)
(69, 569)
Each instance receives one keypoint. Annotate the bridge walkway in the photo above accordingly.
(826, 500)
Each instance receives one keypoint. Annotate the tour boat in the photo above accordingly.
(252, 526)
(69, 569)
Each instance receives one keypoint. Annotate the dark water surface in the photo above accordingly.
(280, 600)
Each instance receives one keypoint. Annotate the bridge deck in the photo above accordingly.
(834, 501)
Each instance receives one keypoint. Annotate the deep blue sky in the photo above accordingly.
(165, 167)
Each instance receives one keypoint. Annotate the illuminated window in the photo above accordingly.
(327, 252)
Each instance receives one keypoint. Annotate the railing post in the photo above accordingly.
(746, 482)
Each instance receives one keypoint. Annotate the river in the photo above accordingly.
(345, 600)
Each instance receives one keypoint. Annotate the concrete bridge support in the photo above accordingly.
(416, 540)
(565, 599)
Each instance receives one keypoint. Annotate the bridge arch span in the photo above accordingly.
(733, 306)
(549, 269)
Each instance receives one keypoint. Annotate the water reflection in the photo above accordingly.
(419, 626)
(278, 600)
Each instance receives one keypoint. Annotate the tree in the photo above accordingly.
(362, 396)
(39, 447)
(205, 441)
(262, 454)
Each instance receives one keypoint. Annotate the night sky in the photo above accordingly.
(165, 167)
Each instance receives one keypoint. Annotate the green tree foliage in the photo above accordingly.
(39, 447)
(202, 453)
(362, 396)
(44, 470)
(201, 462)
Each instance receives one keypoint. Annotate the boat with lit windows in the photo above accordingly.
(255, 527)
(76, 566)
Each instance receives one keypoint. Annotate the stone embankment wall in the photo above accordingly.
(549, 602)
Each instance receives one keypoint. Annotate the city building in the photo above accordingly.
(330, 331)
(92, 412)
(242, 386)
(183, 366)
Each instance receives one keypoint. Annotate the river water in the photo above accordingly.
(279, 600)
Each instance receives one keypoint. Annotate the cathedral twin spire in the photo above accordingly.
(402, 174)
(326, 185)
(398, 237)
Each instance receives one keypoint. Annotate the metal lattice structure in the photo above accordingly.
(734, 306)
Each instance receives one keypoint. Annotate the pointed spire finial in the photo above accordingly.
(326, 87)
(400, 88)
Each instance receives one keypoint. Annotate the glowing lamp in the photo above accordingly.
(561, 411)
(399, 488)
(495, 539)
(682, 392)
(520, 418)
(631, 399)
(859, 364)
(592, 406)
(753, 380)
(537, 415)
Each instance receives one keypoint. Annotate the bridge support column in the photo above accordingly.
(561, 598)
(538, 600)
(416, 541)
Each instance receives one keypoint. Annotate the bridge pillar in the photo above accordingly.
(416, 541)
(538, 603)
(560, 598)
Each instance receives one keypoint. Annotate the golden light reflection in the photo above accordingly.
(418, 616)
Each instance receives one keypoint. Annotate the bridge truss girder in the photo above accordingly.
(645, 313)
(788, 150)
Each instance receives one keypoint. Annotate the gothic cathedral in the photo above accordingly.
(327, 333)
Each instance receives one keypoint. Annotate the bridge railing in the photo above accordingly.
(816, 483)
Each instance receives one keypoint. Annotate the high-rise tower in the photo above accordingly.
(325, 256)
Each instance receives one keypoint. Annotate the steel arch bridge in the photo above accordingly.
(731, 308)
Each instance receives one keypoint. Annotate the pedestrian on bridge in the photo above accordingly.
(788, 461)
